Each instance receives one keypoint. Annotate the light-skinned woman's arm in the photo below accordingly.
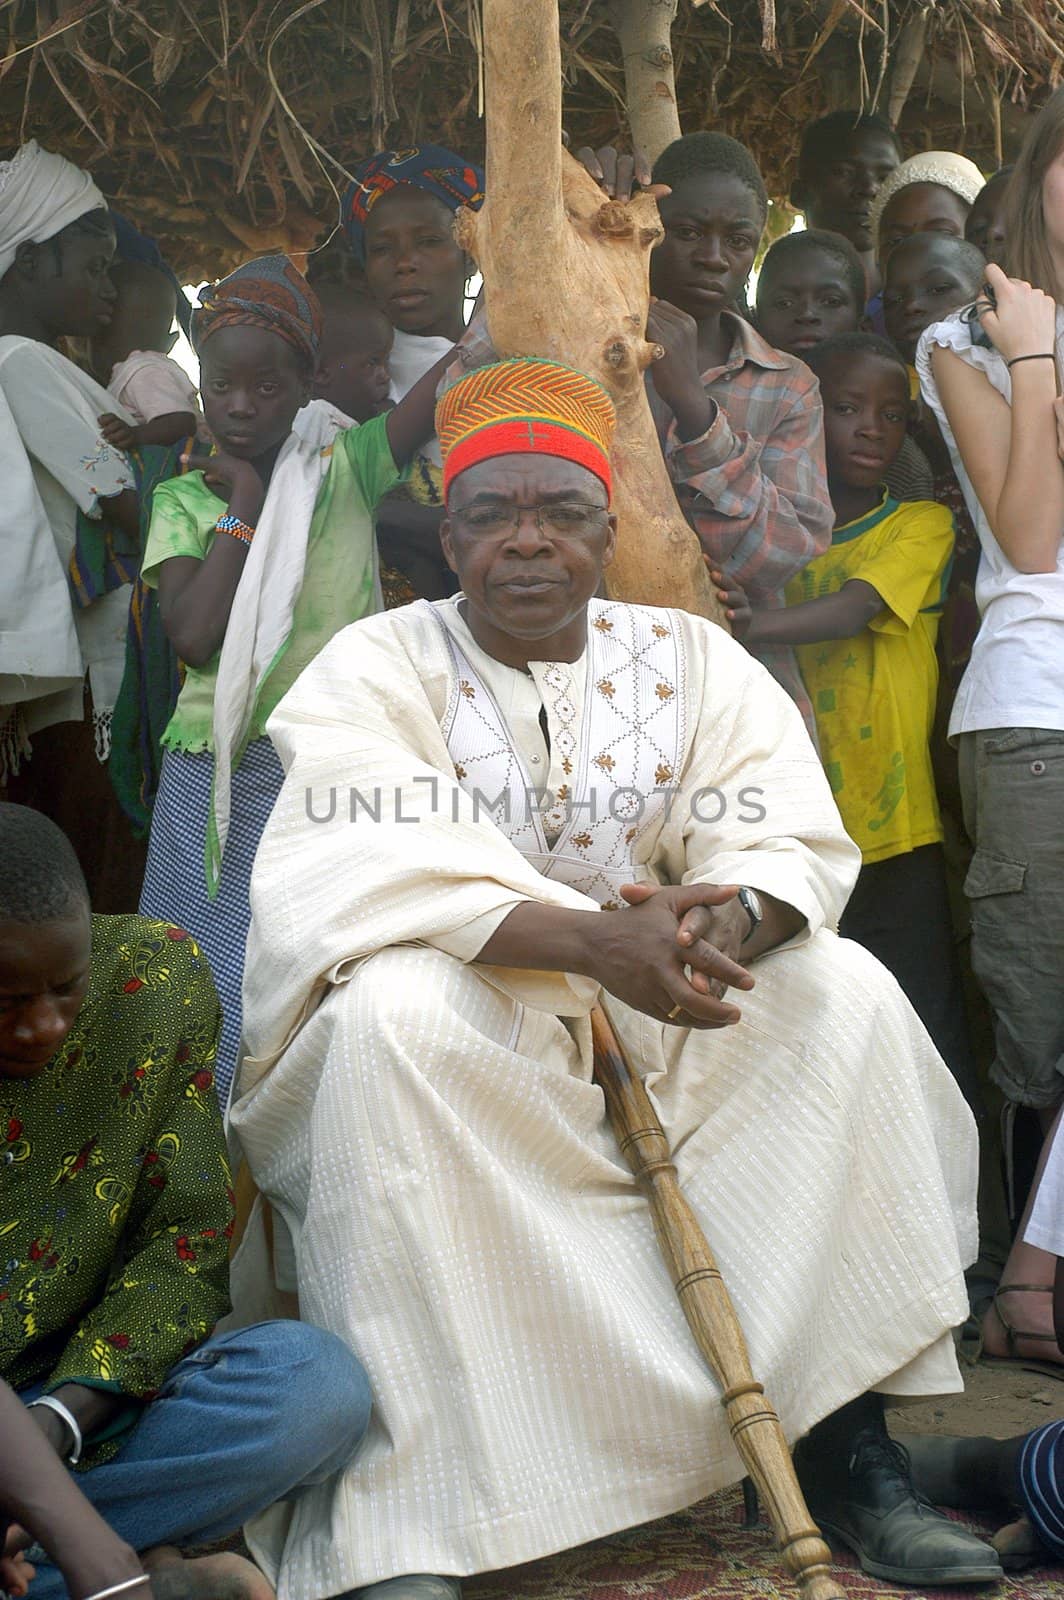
(1010, 452)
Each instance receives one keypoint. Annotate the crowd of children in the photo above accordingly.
(881, 509)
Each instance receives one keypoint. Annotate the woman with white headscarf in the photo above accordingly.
(56, 245)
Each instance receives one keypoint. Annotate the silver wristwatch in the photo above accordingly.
(750, 901)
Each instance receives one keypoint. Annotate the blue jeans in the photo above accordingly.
(241, 1422)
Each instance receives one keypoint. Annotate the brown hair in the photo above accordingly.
(1026, 247)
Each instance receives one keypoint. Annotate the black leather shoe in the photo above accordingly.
(869, 1504)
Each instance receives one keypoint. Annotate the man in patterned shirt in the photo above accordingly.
(115, 1217)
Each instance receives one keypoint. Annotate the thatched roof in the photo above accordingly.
(223, 127)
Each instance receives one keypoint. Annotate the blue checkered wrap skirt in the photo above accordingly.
(175, 885)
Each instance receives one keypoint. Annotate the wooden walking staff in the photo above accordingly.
(754, 1425)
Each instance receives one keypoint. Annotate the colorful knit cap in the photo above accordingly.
(525, 407)
(268, 293)
(428, 167)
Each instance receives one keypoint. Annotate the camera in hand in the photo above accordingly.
(987, 301)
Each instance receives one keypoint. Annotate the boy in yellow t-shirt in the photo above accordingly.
(863, 618)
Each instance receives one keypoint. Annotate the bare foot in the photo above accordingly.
(1027, 1312)
(1019, 1546)
(220, 1577)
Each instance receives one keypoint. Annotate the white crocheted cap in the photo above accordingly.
(944, 167)
(40, 195)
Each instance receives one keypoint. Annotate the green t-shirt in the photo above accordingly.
(338, 581)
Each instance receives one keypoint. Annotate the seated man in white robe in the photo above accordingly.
(500, 810)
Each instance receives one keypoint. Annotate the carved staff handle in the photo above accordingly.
(754, 1425)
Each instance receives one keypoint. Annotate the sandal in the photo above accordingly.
(1046, 1369)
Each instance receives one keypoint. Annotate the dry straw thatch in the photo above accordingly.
(225, 128)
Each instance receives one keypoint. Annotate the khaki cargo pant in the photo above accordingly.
(1012, 784)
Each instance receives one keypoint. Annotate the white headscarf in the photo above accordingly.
(944, 167)
(40, 195)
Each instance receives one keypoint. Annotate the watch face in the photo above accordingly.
(750, 901)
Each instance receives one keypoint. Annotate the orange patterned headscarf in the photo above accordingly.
(269, 293)
(525, 407)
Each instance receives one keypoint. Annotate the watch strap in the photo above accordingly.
(751, 904)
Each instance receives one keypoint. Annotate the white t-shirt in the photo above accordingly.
(150, 385)
(1015, 678)
(1046, 1226)
(412, 356)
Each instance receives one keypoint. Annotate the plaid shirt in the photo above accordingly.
(754, 485)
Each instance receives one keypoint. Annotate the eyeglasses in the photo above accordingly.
(567, 519)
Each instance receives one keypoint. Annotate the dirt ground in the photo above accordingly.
(999, 1401)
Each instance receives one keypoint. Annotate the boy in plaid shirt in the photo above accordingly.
(741, 424)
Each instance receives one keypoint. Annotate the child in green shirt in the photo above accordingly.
(260, 554)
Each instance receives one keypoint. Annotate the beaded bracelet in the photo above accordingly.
(1042, 355)
(233, 525)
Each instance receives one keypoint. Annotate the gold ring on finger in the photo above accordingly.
(674, 1013)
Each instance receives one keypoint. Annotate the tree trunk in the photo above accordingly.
(566, 277)
(644, 28)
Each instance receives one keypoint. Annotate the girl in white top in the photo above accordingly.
(998, 406)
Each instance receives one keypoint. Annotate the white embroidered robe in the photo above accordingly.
(447, 1195)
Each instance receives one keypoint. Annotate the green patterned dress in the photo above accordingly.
(115, 1198)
